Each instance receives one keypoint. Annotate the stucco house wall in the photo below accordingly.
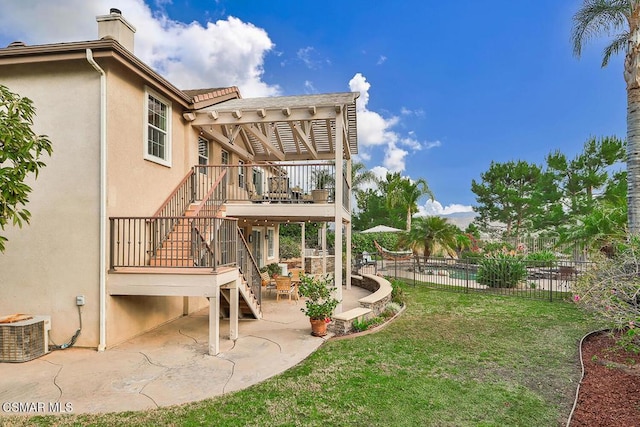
(56, 257)
(47, 263)
(138, 187)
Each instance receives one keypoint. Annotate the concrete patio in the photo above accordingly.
(166, 366)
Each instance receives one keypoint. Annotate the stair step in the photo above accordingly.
(174, 252)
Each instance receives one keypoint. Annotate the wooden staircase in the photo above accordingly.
(249, 305)
(176, 249)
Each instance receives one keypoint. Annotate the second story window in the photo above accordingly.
(158, 137)
(203, 151)
(225, 158)
(240, 174)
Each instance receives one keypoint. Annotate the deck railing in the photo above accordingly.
(203, 242)
(179, 199)
(282, 182)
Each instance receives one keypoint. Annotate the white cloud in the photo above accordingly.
(227, 52)
(407, 112)
(394, 158)
(304, 55)
(374, 130)
(434, 207)
(309, 87)
(411, 142)
(432, 144)
(381, 60)
(360, 84)
(380, 172)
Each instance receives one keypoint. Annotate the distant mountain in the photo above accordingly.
(460, 219)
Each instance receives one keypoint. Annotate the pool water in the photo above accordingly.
(462, 274)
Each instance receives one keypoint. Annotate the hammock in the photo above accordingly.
(393, 255)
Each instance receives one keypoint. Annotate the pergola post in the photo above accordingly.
(323, 238)
(302, 245)
(337, 204)
(348, 255)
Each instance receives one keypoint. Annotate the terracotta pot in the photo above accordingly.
(318, 327)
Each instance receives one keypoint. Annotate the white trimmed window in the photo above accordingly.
(203, 151)
(157, 129)
(271, 243)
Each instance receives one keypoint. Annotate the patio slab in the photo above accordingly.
(166, 366)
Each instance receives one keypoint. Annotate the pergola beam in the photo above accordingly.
(264, 140)
(303, 135)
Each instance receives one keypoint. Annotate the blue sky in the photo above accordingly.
(447, 86)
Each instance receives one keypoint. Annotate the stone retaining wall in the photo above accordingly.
(370, 306)
(313, 264)
(380, 289)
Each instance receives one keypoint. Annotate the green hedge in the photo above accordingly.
(501, 271)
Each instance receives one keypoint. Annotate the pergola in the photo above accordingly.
(291, 128)
(285, 128)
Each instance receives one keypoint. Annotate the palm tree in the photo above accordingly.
(360, 175)
(427, 234)
(405, 193)
(622, 19)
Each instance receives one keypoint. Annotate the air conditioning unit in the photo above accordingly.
(23, 340)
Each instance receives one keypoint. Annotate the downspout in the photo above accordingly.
(103, 199)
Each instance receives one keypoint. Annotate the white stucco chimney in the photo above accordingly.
(116, 27)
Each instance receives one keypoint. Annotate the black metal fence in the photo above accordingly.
(546, 280)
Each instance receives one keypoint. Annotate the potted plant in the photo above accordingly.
(273, 269)
(322, 179)
(320, 302)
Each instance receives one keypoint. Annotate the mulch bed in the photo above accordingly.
(610, 391)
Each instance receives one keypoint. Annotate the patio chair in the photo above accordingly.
(366, 259)
(295, 279)
(284, 287)
(266, 282)
(279, 189)
(253, 194)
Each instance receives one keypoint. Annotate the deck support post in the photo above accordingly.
(214, 325)
(233, 309)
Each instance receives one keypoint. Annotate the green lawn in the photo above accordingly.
(449, 360)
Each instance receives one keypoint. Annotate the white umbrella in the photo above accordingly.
(381, 229)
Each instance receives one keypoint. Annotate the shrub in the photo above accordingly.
(397, 293)
(495, 247)
(471, 257)
(320, 302)
(540, 259)
(364, 324)
(501, 271)
(611, 289)
(289, 247)
(391, 309)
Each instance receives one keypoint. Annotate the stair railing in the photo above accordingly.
(180, 198)
(204, 231)
(249, 267)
